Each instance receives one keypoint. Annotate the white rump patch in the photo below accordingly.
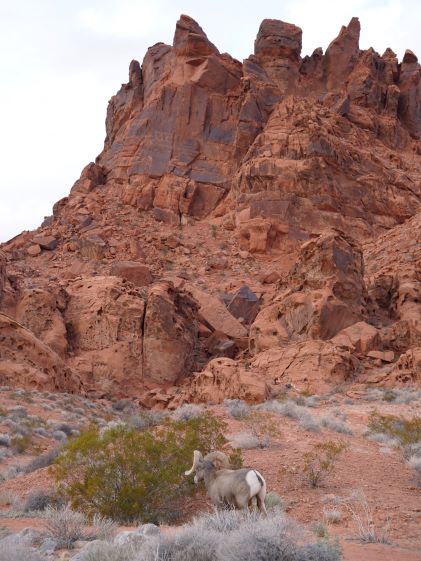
(253, 482)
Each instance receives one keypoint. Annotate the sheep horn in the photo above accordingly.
(219, 459)
(197, 456)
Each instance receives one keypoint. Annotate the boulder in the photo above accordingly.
(170, 334)
(27, 362)
(314, 366)
(223, 378)
(137, 273)
(244, 305)
(45, 242)
(92, 246)
(360, 336)
(214, 313)
(104, 318)
(40, 311)
(33, 250)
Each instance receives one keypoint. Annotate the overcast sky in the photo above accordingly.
(61, 61)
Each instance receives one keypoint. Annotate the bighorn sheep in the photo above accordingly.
(227, 486)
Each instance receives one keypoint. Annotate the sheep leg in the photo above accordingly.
(261, 501)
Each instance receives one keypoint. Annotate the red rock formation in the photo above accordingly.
(217, 174)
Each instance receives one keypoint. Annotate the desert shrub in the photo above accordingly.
(146, 419)
(320, 529)
(102, 528)
(42, 461)
(415, 463)
(21, 442)
(18, 411)
(38, 500)
(125, 474)
(13, 550)
(332, 515)
(320, 461)
(290, 409)
(307, 400)
(59, 435)
(4, 440)
(273, 501)
(104, 551)
(64, 525)
(336, 425)
(187, 411)
(362, 514)
(234, 536)
(121, 405)
(248, 441)
(406, 431)
(237, 408)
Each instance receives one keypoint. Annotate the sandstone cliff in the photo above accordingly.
(246, 226)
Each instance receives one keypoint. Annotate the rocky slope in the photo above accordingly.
(246, 226)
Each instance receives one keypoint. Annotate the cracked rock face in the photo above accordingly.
(246, 225)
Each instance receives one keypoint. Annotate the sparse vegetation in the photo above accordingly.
(13, 550)
(38, 500)
(273, 501)
(233, 536)
(320, 461)
(187, 412)
(42, 461)
(337, 425)
(394, 430)
(332, 515)
(290, 409)
(415, 463)
(125, 474)
(237, 408)
(64, 525)
(362, 514)
(21, 442)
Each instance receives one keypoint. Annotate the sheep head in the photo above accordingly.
(214, 460)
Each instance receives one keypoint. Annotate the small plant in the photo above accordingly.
(13, 550)
(42, 461)
(187, 411)
(332, 515)
(273, 501)
(104, 551)
(335, 424)
(38, 500)
(320, 530)
(103, 528)
(248, 441)
(64, 525)
(237, 408)
(290, 409)
(362, 515)
(263, 427)
(320, 461)
(21, 442)
(415, 463)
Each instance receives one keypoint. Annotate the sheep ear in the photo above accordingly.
(197, 457)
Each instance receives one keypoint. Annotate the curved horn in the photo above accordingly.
(197, 456)
(219, 459)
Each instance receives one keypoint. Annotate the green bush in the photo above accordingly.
(127, 475)
(321, 460)
(407, 431)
